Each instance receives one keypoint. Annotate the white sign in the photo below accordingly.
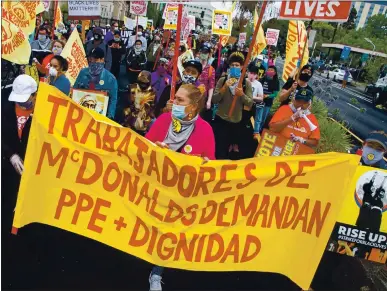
(142, 21)
(272, 36)
(168, 5)
(242, 38)
(84, 9)
(138, 8)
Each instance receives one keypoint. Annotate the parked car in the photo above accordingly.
(378, 91)
(338, 75)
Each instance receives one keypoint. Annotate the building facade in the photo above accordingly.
(197, 9)
(367, 9)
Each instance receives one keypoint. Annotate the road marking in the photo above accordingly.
(353, 106)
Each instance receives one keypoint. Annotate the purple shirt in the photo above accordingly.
(108, 37)
(159, 83)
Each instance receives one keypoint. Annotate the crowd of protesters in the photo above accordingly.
(198, 121)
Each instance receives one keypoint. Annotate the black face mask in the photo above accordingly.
(143, 86)
(305, 77)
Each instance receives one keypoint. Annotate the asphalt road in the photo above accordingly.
(351, 101)
(44, 257)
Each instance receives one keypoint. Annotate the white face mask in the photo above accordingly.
(139, 33)
(52, 72)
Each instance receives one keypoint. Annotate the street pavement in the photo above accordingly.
(44, 257)
(351, 101)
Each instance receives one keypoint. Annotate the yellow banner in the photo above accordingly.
(58, 16)
(21, 13)
(295, 42)
(260, 42)
(15, 46)
(107, 183)
(75, 55)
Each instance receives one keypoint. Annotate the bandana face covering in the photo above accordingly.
(188, 79)
(96, 68)
(371, 156)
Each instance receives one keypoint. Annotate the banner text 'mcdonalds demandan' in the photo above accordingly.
(87, 175)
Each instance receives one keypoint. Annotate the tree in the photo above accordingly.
(377, 26)
(154, 13)
(350, 24)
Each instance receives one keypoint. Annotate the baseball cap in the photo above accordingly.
(163, 61)
(205, 49)
(98, 30)
(304, 94)
(260, 57)
(97, 53)
(379, 137)
(22, 88)
(192, 63)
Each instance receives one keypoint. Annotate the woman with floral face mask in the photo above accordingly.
(57, 47)
(183, 131)
(57, 77)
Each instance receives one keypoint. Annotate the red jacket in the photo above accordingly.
(200, 143)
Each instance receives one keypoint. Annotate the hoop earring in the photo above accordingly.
(190, 116)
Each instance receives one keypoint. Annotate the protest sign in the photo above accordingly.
(87, 10)
(94, 100)
(335, 11)
(112, 185)
(15, 46)
(295, 42)
(274, 144)
(21, 13)
(272, 36)
(129, 23)
(46, 5)
(186, 56)
(171, 18)
(138, 7)
(142, 21)
(260, 43)
(75, 55)
(149, 24)
(242, 38)
(188, 24)
(221, 22)
(167, 6)
(361, 228)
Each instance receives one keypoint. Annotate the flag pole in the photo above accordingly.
(219, 50)
(308, 29)
(55, 12)
(176, 55)
(248, 55)
(136, 26)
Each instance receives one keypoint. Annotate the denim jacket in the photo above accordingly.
(109, 84)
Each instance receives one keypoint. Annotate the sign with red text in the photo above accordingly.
(337, 11)
(272, 36)
(138, 7)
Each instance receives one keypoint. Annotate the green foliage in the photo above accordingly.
(154, 13)
(319, 109)
(354, 101)
(372, 69)
(333, 137)
(350, 24)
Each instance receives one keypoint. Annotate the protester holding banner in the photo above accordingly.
(135, 61)
(270, 84)
(57, 77)
(160, 78)
(118, 49)
(373, 150)
(190, 75)
(57, 47)
(291, 86)
(140, 112)
(17, 117)
(96, 77)
(296, 122)
(226, 126)
(154, 51)
(98, 42)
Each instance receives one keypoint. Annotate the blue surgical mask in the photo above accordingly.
(371, 156)
(95, 68)
(235, 72)
(178, 111)
(27, 105)
(42, 37)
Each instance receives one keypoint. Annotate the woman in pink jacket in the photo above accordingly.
(184, 131)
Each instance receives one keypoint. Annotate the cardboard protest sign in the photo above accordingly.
(75, 55)
(87, 10)
(171, 18)
(15, 46)
(274, 144)
(335, 11)
(186, 56)
(221, 22)
(106, 183)
(295, 42)
(94, 100)
(272, 36)
(242, 38)
(167, 6)
(138, 7)
(361, 228)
